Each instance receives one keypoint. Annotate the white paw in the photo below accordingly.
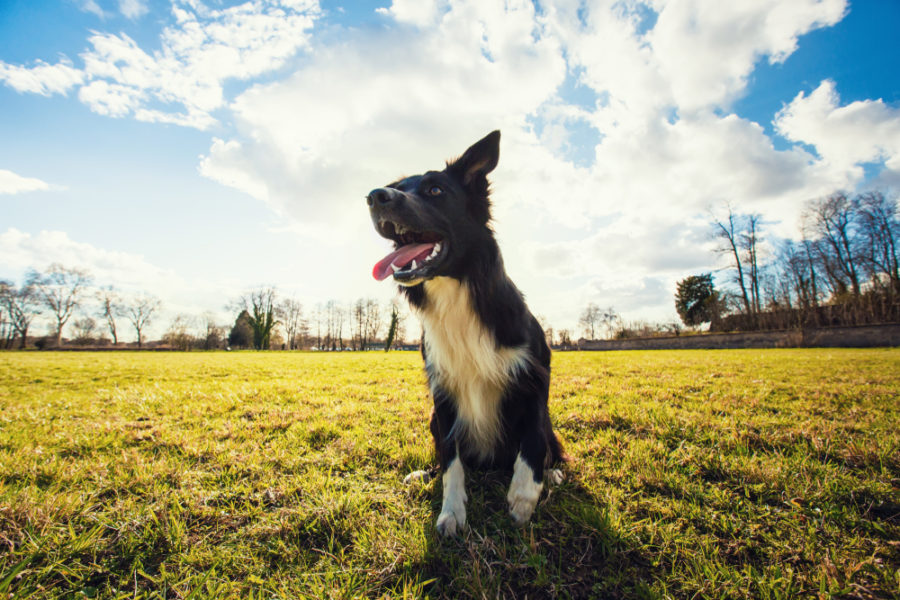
(420, 477)
(451, 522)
(453, 511)
(554, 476)
(522, 503)
(524, 492)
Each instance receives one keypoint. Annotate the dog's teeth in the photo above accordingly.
(394, 267)
(434, 252)
(413, 267)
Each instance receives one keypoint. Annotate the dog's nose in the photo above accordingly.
(379, 197)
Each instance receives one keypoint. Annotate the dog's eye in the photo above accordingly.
(435, 190)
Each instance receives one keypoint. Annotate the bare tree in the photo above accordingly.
(400, 333)
(59, 289)
(85, 328)
(328, 320)
(214, 333)
(21, 305)
(178, 335)
(749, 242)
(728, 231)
(374, 320)
(319, 318)
(848, 254)
(6, 327)
(795, 288)
(590, 319)
(290, 313)
(810, 266)
(110, 308)
(334, 316)
(833, 220)
(358, 324)
(303, 334)
(880, 225)
(140, 312)
(777, 293)
(366, 321)
(337, 316)
(610, 320)
(792, 280)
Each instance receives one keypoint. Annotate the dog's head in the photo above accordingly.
(438, 219)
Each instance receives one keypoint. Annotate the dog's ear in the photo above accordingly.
(479, 160)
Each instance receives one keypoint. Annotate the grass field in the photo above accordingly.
(714, 474)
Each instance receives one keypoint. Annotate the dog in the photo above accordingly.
(486, 356)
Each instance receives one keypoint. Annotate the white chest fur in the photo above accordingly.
(467, 361)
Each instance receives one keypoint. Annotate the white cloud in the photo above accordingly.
(22, 251)
(12, 183)
(706, 49)
(43, 78)
(192, 118)
(843, 136)
(381, 103)
(415, 12)
(696, 56)
(228, 169)
(182, 82)
(202, 51)
(110, 99)
(133, 9)
(92, 7)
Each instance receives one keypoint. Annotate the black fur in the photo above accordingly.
(453, 205)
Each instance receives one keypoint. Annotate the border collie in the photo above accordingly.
(487, 361)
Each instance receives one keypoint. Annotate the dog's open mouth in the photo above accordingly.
(416, 253)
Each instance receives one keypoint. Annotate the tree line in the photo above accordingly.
(93, 316)
(597, 322)
(65, 294)
(265, 321)
(842, 271)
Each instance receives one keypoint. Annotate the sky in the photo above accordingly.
(198, 149)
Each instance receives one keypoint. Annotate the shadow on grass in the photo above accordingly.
(574, 546)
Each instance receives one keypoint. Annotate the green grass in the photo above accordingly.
(716, 474)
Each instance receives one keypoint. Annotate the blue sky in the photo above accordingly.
(196, 149)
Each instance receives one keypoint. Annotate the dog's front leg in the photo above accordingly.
(453, 510)
(527, 480)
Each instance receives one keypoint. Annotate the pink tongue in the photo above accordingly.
(400, 258)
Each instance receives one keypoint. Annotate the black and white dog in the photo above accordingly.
(486, 357)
